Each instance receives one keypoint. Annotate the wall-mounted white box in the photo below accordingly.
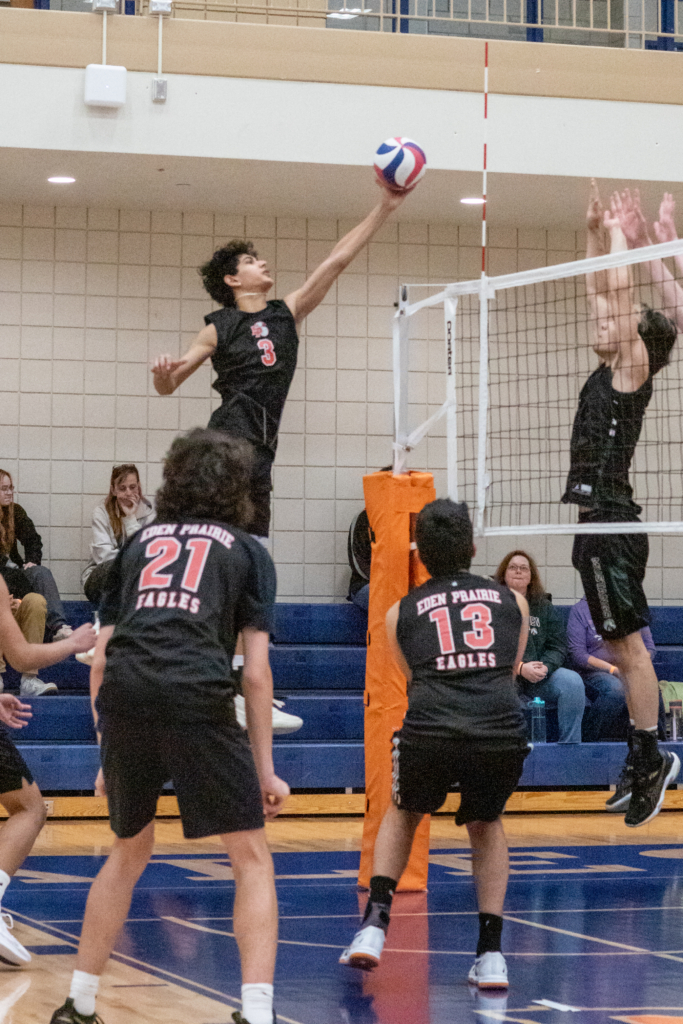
(105, 85)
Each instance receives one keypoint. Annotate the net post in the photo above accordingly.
(401, 335)
(483, 402)
(450, 307)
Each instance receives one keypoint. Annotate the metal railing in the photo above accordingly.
(632, 24)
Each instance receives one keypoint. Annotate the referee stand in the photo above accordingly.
(392, 503)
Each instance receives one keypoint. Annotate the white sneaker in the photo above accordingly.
(489, 971)
(282, 722)
(86, 657)
(365, 949)
(32, 686)
(11, 951)
(62, 633)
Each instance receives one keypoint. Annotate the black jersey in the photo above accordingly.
(604, 437)
(178, 594)
(460, 638)
(255, 360)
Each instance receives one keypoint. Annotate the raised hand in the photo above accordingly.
(665, 228)
(626, 206)
(594, 213)
(12, 712)
(163, 369)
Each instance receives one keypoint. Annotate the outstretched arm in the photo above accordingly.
(596, 245)
(628, 209)
(169, 373)
(305, 299)
(26, 657)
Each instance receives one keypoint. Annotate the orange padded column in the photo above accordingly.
(391, 503)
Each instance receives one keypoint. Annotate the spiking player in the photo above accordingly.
(633, 344)
(457, 638)
(176, 597)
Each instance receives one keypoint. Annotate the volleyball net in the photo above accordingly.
(518, 349)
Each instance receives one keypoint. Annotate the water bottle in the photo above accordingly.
(676, 709)
(537, 720)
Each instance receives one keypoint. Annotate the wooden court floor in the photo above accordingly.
(176, 960)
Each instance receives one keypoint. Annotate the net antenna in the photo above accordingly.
(517, 351)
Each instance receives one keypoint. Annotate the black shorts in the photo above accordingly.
(612, 569)
(13, 768)
(261, 489)
(425, 769)
(210, 765)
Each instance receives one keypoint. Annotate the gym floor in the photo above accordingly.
(594, 927)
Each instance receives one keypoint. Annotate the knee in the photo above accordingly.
(250, 854)
(28, 801)
(35, 603)
(568, 683)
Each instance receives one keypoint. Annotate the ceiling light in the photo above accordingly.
(473, 201)
(350, 12)
(57, 180)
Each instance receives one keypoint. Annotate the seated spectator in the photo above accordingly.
(17, 528)
(359, 554)
(541, 674)
(608, 716)
(119, 516)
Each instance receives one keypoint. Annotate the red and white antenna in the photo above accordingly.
(485, 167)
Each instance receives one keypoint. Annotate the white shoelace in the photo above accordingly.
(7, 920)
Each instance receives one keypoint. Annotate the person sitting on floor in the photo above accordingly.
(608, 716)
(16, 527)
(119, 516)
(541, 674)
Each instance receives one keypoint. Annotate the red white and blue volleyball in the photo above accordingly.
(400, 163)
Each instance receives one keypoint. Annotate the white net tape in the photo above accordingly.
(517, 352)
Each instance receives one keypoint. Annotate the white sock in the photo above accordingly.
(237, 660)
(4, 882)
(83, 991)
(633, 722)
(257, 1004)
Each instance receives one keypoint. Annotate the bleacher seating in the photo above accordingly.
(318, 660)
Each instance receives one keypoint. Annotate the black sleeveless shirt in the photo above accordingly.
(255, 360)
(604, 437)
(460, 636)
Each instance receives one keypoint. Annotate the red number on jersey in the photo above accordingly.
(443, 624)
(268, 358)
(164, 551)
(481, 635)
(199, 548)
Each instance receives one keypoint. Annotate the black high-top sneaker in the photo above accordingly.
(653, 771)
(67, 1015)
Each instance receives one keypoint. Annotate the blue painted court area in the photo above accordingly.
(597, 931)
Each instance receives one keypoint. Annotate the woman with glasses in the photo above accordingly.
(36, 604)
(541, 673)
(117, 517)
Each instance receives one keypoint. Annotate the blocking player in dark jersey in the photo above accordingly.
(253, 343)
(176, 597)
(19, 794)
(633, 345)
(458, 638)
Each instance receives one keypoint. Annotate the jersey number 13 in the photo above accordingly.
(479, 638)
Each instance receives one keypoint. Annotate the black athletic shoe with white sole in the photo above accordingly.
(619, 800)
(649, 789)
(67, 1015)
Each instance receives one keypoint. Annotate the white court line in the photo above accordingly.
(438, 913)
(71, 940)
(590, 938)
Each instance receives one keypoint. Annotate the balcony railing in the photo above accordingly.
(632, 24)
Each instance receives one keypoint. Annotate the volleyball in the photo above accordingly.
(400, 163)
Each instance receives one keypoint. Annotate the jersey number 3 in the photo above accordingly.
(268, 358)
(480, 637)
(165, 551)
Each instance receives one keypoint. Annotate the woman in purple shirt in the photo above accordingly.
(608, 717)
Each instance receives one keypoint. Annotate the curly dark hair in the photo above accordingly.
(443, 533)
(224, 261)
(207, 475)
(659, 334)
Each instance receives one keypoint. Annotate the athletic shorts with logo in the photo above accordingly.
(209, 764)
(612, 569)
(426, 768)
(13, 768)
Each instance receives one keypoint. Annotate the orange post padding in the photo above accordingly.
(392, 502)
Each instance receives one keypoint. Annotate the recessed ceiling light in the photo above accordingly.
(57, 180)
(183, 184)
(473, 201)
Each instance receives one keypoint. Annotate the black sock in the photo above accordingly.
(490, 930)
(378, 909)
